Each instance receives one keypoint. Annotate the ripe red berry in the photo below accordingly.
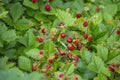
(79, 47)
(34, 68)
(62, 53)
(75, 78)
(111, 67)
(50, 60)
(41, 52)
(61, 24)
(97, 9)
(43, 30)
(74, 63)
(47, 8)
(71, 47)
(85, 24)
(118, 32)
(90, 38)
(50, 0)
(76, 42)
(69, 40)
(69, 55)
(34, 1)
(85, 36)
(56, 56)
(48, 66)
(62, 35)
(52, 38)
(78, 15)
(61, 75)
(76, 58)
(40, 40)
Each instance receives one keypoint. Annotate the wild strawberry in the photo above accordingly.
(76, 42)
(34, 1)
(71, 47)
(43, 30)
(76, 58)
(62, 35)
(50, 0)
(34, 68)
(47, 8)
(62, 53)
(50, 60)
(90, 38)
(52, 38)
(111, 67)
(40, 40)
(56, 56)
(75, 78)
(69, 55)
(61, 24)
(48, 66)
(85, 36)
(79, 47)
(85, 24)
(97, 9)
(118, 32)
(74, 63)
(69, 40)
(61, 75)
(78, 15)
(41, 52)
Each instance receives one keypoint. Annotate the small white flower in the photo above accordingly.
(86, 8)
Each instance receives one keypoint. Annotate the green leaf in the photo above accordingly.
(96, 64)
(9, 35)
(3, 28)
(29, 4)
(24, 63)
(65, 17)
(70, 70)
(16, 11)
(3, 14)
(97, 18)
(33, 53)
(49, 47)
(3, 63)
(41, 17)
(102, 52)
(113, 56)
(23, 24)
(100, 76)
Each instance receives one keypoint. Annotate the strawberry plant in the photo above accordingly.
(59, 40)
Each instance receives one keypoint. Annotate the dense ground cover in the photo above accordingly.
(59, 39)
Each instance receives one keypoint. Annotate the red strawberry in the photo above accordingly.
(61, 75)
(50, 60)
(61, 24)
(90, 38)
(48, 66)
(69, 40)
(41, 52)
(85, 36)
(78, 15)
(79, 47)
(97, 9)
(34, 68)
(56, 56)
(34, 1)
(62, 35)
(85, 24)
(76, 58)
(47, 8)
(71, 47)
(62, 53)
(76, 42)
(40, 40)
(69, 55)
(52, 38)
(43, 30)
(118, 32)
(111, 67)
